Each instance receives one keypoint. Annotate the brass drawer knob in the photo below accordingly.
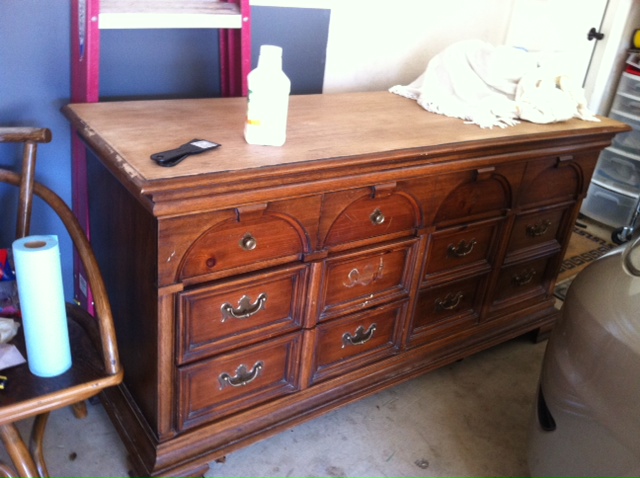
(248, 242)
(242, 376)
(377, 217)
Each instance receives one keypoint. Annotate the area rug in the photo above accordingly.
(583, 249)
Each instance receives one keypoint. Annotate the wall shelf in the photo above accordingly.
(128, 14)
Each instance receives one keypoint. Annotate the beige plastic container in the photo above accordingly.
(587, 415)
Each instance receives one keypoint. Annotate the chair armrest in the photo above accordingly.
(24, 134)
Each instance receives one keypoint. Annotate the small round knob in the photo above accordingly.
(377, 217)
(248, 242)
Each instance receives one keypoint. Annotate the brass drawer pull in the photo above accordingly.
(539, 229)
(242, 376)
(248, 242)
(360, 338)
(524, 278)
(450, 302)
(245, 308)
(377, 217)
(463, 248)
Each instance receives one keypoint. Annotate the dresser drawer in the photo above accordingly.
(213, 388)
(351, 342)
(443, 309)
(470, 195)
(520, 281)
(556, 179)
(246, 244)
(356, 217)
(216, 318)
(538, 228)
(366, 278)
(453, 249)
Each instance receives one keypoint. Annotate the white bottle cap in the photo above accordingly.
(270, 56)
(272, 51)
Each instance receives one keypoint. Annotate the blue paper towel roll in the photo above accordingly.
(44, 320)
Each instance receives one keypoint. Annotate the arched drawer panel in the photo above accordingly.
(250, 244)
(476, 193)
(367, 217)
(555, 179)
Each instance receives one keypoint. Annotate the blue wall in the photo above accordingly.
(35, 81)
(34, 85)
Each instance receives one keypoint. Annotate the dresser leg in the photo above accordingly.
(542, 333)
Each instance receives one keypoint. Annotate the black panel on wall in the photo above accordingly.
(302, 33)
(179, 63)
(159, 63)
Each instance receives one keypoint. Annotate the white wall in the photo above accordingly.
(375, 44)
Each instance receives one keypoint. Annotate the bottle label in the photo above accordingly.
(267, 111)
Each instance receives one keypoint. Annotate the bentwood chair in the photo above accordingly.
(93, 343)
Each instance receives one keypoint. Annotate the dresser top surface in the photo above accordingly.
(321, 127)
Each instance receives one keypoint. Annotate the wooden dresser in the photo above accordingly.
(257, 287)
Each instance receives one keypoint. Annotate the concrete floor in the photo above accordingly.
(467, 419)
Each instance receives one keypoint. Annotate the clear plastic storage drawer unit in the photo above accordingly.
(618, 170)
(607, 206)
(629, 141)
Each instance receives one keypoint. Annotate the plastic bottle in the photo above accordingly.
(268, 100)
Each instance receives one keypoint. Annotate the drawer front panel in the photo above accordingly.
(518, 281)
(213, 388)
(216, 318)
(476, 193)
(556, 179)
(531, 230)
(252, 244)
(353, 341)
(369, 217)
(460, 247)
(452, 306)
(367, 278)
